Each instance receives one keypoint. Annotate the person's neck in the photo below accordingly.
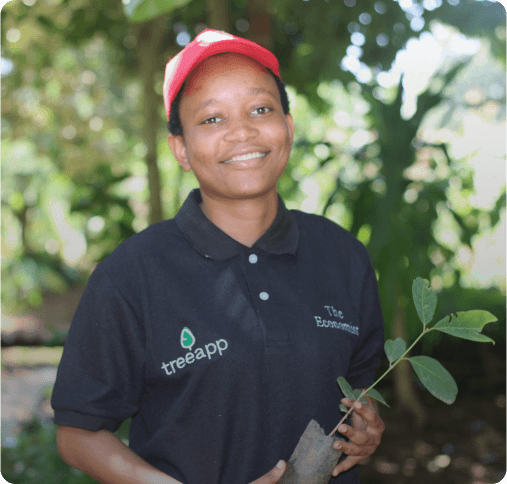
(243, 220)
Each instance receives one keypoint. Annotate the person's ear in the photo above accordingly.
(290, 124)
(179, 150)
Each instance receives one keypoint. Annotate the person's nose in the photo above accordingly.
(241, 130)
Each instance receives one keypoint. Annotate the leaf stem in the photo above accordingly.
(391, 366)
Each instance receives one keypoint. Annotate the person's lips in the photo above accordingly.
(247, 156)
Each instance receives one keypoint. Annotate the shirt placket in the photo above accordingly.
(264, 298)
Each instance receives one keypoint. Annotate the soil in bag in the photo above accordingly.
(313, 459)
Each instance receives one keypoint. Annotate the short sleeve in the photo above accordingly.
(100, 377)
(366, 358)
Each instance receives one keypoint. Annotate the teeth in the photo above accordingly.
(249, 156)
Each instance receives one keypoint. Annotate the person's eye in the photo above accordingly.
(262, 110)
(213, 120)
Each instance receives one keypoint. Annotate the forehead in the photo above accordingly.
(224, 69)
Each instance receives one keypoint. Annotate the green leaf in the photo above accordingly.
(377, 396)
(345, 388)
(144, 10)
(187, 339)
(358, 392)
(425, 300)
(394, 349)
(435, 378)
(467, 325)
(343, 408)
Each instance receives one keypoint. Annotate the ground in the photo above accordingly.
(463, 443)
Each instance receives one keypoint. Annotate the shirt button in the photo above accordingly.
(252, 258)
(264, 296)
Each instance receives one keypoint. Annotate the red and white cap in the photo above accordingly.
(210, 42)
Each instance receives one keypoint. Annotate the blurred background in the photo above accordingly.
(399, 109)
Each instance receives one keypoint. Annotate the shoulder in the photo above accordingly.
(142, 249)
(321, 233)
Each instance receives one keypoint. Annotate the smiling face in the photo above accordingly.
(236, 138)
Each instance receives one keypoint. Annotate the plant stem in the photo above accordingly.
(391, 366)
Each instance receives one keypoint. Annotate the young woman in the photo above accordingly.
(221, 332)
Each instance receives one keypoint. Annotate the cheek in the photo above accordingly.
(201, 150)
(284, 132)
(281, 134)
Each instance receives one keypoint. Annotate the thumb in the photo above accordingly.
(273, 475)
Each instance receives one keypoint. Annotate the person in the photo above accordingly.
(221, 332)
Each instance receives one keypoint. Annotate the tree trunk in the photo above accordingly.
(490, 370)
(150, 36)
(218, 14)
(22, 218)
(404, 388)
(259, 15)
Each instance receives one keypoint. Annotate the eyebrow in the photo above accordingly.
(252, 91)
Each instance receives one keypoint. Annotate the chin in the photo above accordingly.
(251, 191)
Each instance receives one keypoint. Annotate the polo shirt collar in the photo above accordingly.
(210, 241)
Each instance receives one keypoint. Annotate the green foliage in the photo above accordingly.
(435, 378)
(425, 300)
(377, 396)
(467, 325)
(394, 349)
(35, 459)
(346, 388)
(349, 393)
(70, 126)
(357, 394)
(144, 10)
(98, 196)
(76, 66)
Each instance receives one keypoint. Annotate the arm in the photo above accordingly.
(106, 458)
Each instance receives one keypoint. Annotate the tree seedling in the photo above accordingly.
(437, 380)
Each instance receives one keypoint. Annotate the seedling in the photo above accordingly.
(314, 458)
(437, 380)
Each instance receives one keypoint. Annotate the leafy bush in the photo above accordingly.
(35, 457)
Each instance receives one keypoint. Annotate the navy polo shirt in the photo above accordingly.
(220, 353)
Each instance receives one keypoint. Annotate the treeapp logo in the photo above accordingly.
(187, 340)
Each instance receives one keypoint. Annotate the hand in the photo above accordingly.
(273, 475)
(364, 435)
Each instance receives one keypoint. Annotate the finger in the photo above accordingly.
(356, 436)
(346, 464)
(368, 413)
(273, 475)
(347, 402)
(353, 449)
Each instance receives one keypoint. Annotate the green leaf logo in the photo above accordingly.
(187, 339)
